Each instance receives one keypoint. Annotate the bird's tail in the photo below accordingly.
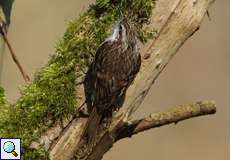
(92, 125)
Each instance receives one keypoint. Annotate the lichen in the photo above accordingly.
(52, 94)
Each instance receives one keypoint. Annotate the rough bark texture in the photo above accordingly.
(127, 129)
(175, 22)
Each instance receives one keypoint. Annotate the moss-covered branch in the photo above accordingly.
(52, 94)
(175, 22)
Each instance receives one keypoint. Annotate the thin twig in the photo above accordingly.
(13, 55)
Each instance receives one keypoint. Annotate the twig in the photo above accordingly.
(173, 115)
(13, 55)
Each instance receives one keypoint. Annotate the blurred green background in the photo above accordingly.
(200, 71)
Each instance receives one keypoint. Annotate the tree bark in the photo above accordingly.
(175, 21)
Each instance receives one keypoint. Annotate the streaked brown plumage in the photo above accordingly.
(116, 64)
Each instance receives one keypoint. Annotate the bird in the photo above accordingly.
(116, 64)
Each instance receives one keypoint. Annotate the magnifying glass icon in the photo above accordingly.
(9, 147)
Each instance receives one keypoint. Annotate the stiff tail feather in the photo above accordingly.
(92, 125)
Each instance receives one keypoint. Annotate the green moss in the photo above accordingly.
(52, 94)
(2, 97)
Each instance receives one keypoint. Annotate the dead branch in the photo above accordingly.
(173, 115)
(13, 55)
(128, 129)
(175, 22)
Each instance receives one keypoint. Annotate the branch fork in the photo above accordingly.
(175, 22)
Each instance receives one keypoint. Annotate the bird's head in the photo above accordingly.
(123, 30)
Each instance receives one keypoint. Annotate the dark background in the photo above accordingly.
(200, 71)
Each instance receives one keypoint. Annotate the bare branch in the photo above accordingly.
(173, 115)
(14, 57)
(175, 22)
(5, 12)
(3, 32)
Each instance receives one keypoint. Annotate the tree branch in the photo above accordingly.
(175, 22)
(174, 115)
(48, 124)
(13, 55)
(5, 12)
